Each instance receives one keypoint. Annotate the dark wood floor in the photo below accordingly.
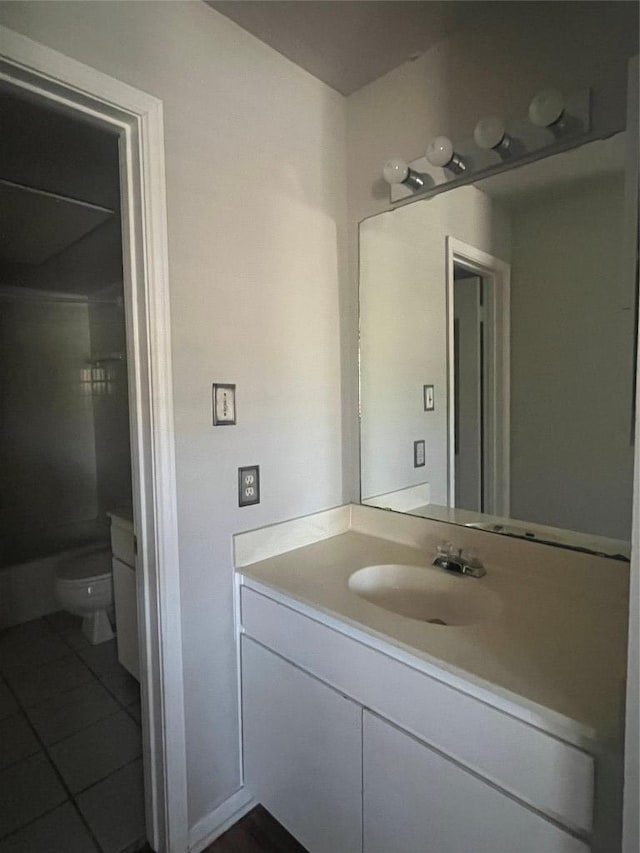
(257, 832)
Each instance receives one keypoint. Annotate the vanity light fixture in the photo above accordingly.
(440, 153)
(396, 171)
(490, 134)
(547, 109)
(552, 120)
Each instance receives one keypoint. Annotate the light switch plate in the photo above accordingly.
(249, 485)
(224, 404)
(429, 398)
(418, 453)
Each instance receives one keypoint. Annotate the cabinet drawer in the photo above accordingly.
(417, 801)
(552, 776)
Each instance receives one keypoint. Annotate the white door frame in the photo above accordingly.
(631, 808)
(498, 447)
(137, 118)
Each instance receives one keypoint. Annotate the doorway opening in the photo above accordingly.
(69, 667)
(32, 71)
(478, 379)
(470, 345)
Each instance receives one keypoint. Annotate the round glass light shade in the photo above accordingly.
(489, 132)
(440, 151)
(395, 171)
(546, 108)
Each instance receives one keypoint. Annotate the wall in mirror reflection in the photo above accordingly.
(559, 225)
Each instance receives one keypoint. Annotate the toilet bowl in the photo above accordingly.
(84, 586)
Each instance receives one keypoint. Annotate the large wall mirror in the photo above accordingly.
(497, 351)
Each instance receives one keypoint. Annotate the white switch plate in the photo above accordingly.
(224, 404)
(419, 453)
(429, 398)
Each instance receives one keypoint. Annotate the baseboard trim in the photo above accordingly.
(210, 827)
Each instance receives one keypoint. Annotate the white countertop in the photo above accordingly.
(558, 645)
(122, 516)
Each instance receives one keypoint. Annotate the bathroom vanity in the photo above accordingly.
(123, 560)
(365, 729)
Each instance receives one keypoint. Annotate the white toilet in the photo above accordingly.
(84, 587)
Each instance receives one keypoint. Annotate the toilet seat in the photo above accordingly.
(86, 567)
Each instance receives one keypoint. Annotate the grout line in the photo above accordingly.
(22, 757)
(56, 771)
(33, 820)
(23, 669)
(98, 675)
(111, 773)
(135, 845)
(84, 728)
(128, 708)
(92, 834)
(53, 695)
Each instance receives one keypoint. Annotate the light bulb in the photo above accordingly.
(489, 133)
(546, 108)
(440, 151)
(395, 171)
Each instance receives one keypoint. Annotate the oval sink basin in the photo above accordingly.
(426, 594)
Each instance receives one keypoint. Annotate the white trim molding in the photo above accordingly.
(136, 116)
(210, 827)
(631, 806)
(497, 446)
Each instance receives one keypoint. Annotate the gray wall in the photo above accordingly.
(256, 203)
(572, 362)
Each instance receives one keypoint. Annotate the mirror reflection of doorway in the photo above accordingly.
(478, 288)
(469, 383)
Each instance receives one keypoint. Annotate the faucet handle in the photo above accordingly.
(470, 557)
(462, 561)
(445, 549)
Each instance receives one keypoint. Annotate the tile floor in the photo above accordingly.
(70, 743)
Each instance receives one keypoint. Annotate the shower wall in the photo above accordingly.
(49, 495)
(64, 438)
(110, 405)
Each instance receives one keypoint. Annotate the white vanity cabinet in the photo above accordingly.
(352, 749)
(302, 752)
(416, 799)
(125, 596)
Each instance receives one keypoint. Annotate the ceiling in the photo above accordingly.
(59, 182)
(35, 226)
(348, 44)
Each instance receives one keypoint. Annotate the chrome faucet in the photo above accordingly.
(462, 563)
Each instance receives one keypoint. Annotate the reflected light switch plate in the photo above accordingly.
(429, 398)
(224, 404)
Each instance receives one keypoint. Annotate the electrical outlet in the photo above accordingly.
(249, 485)
(418, 454)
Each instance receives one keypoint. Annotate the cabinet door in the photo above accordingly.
(302, 744)
(126, 605)
(417, 801)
